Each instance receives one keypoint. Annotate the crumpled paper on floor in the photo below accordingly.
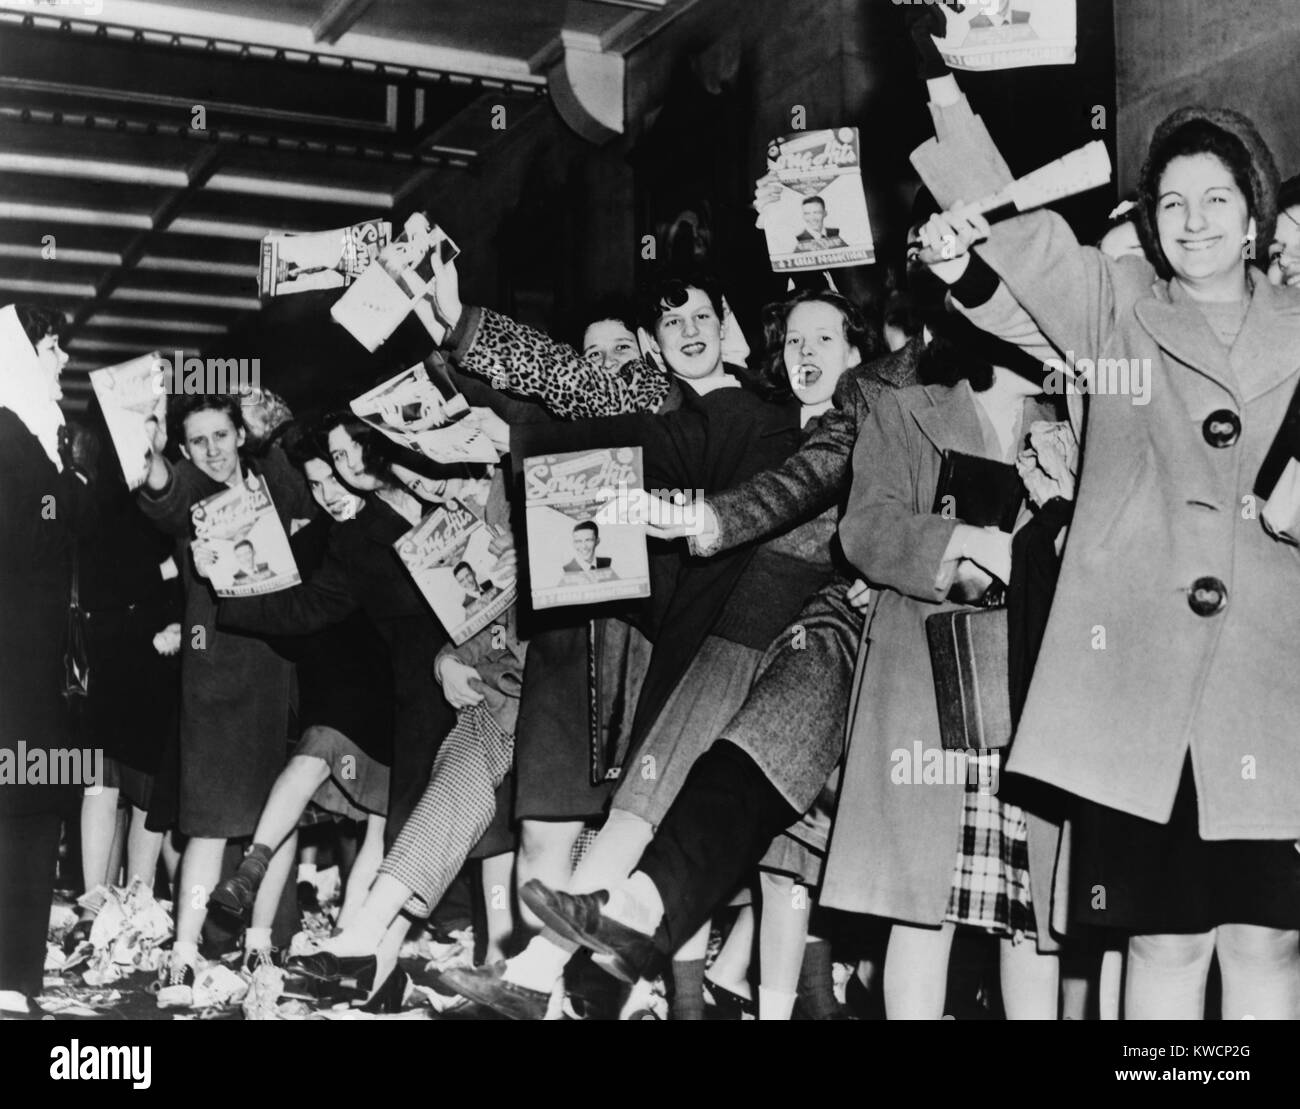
(264, 990)
(125, 936)
(217, 986)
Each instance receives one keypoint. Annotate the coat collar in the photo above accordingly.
(949, 420)
(897, 368)
(1264, 354)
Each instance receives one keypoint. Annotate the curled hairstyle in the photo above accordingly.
(772, 379)
(668, 291)
(1230, 137)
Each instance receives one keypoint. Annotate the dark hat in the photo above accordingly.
(1262, 177)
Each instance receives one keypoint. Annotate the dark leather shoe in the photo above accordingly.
(324, 976)
(617, 949)
(487, 986)
(235, 896)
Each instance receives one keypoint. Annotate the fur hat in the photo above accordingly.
(1262, 179)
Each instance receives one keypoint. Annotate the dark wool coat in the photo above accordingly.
(234, 687)
(38, 508)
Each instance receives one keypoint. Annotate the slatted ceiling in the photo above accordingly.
(37, 269)
(72, 236)
(195, 320)
(156, 227)
(270, 212)
(47, 293)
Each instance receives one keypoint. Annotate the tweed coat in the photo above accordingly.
(816, 477)
(895, 839)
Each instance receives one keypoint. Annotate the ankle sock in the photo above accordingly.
(816, 984)
(306, 871)
(688, 990)
(539, 966)
(257, 939)
(774, 1004)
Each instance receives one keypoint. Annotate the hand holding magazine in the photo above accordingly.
(294, 263)
(384, 294)
(449, 554)
(586, 538)
(133, 398)
(240, 544)
(813, 208)
(431, 418)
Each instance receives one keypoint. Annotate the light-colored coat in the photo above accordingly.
(1129, 677)
(894, 844)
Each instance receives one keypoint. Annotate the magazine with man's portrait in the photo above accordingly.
(820, 221)
(448, 556)
(253, 552)
(583, 547)
(1008, 34)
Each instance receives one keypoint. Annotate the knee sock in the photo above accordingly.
(688, 990)
(185, 953)
(816, 986)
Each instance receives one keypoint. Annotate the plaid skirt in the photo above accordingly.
(990, 878)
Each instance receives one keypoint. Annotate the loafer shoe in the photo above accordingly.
(488, 986)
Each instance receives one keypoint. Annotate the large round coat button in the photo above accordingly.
(1207, 596)
(1222, 428)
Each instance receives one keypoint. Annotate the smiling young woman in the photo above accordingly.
(1178, 840)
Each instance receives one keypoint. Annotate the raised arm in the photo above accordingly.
(324, 600)
(810, 481)
(522, 361)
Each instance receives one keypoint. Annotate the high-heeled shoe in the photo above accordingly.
(727, 1004)
(324, 976)
(390, 997)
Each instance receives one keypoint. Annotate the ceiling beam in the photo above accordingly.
(337, 19)
(291, 42)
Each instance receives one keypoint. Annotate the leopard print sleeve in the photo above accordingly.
(517, 359)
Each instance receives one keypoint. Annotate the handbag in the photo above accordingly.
(972, 674)
(76, 656)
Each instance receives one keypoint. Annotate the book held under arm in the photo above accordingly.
(252, 549)
(448, 555)
(584, 544)
(133, 398)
